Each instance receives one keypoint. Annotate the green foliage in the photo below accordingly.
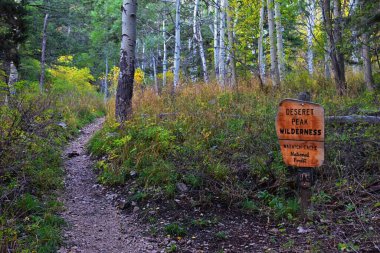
(281, 207)
(138, 196)
(222, 145)
(201, 223)
(34, 127)
(249, 205)
(321, 198)
(348, 247)
(145, 145)
(172, 248)
(221, 235)
(175, 229)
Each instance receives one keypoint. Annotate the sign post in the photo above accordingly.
(300, 128)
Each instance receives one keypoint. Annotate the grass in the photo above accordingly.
(31, 172)
(175, 229)
(221, 235)
(222, 144)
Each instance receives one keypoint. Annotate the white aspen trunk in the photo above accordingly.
(106, 82)
(273, 50)
(367, 63)
(165, 60)
(280, 43)
(143, 58)
(203, 56)
(177, 50)
(354, 56)
(231, 52)
(157, 89)
(260, 44)
(12, 79)
(193, 43)
(124, 93)
(43, 53)
(199, 39)
(222, 47)
(192, 60)
(216, 39)
(310, 31)
(235, 22)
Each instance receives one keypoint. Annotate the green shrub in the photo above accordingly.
(30, 152)
(175, 229)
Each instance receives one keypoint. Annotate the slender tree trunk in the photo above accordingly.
(273, 50)
(327, 61)
(193, 43)
(231, 50)
(235, 22)
(165, 60)
(13, 78)
(260, 44)
(334, 34)
(177, 50)
(43, 53)
(280, 43)
(310, 31)
(143, 58)
(124, 91)
(367, 63)
(222, 47)
(216, 39)
(106, 81)
(354, 55)
(199, 39)
(156, 87)
(203, 56)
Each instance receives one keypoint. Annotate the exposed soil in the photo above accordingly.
(94, 223)
(218, 228)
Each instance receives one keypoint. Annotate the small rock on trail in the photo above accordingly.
(94, 223)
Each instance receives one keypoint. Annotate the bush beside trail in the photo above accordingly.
(33, 129)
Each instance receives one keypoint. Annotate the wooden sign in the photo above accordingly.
(300, 128)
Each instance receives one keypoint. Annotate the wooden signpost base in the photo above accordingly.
(304, 181)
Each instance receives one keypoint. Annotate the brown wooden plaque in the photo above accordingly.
(300, 127)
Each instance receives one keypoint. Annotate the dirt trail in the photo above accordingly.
(94, 223)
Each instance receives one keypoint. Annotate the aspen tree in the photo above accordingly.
(124, 91)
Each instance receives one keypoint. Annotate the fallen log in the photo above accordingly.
(352, 119)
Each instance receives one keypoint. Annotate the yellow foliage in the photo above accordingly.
(139, 77)
(113, 78)
(65, 76)
(169, 76)
(65, 59)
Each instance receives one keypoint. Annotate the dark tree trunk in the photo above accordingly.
(367, 66)
(124, 93)
(334, 33)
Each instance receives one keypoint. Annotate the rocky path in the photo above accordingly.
(94, 223)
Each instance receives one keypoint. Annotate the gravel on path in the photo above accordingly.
(94, 223)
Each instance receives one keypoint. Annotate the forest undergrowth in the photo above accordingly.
(34, 127)
(217, 149)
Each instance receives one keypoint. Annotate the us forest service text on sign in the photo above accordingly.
(300, 128)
